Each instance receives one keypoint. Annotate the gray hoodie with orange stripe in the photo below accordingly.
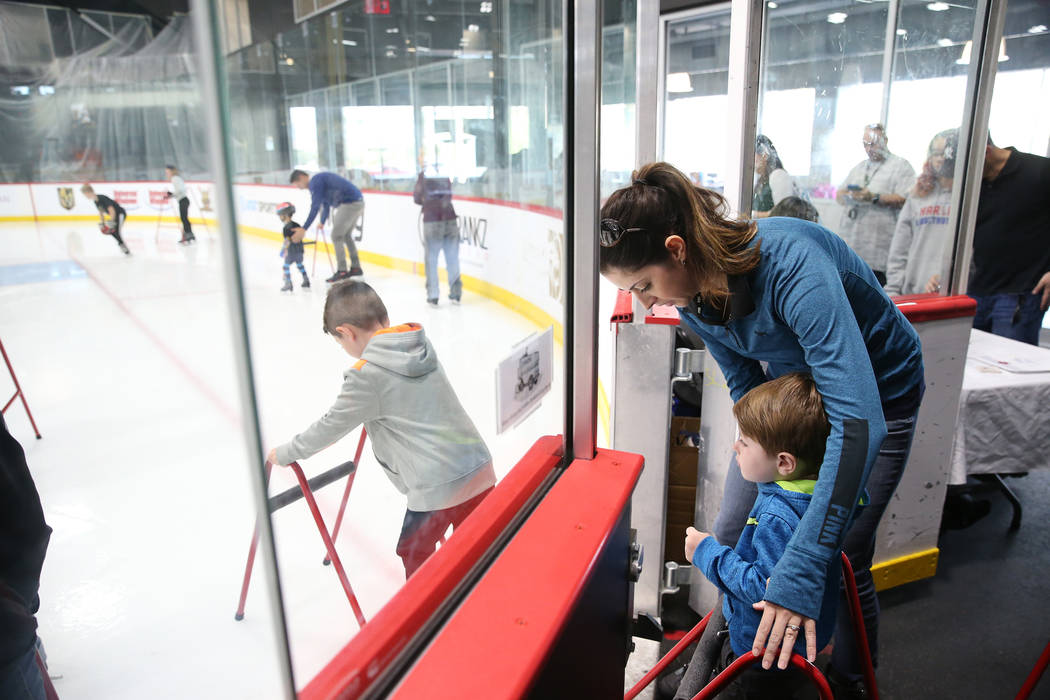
(420, 433)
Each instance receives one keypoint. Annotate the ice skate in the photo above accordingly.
(287, 285)
(305, 284)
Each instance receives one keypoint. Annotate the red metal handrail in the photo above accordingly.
(1035, 675)
(690, 637)
(737, 667)
(19, 394)
(741, 664)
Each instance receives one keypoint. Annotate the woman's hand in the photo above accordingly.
(934, 285)
(774, 629)
(272, 458)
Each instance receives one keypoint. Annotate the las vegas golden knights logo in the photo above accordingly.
(205, 200)
(65, 197)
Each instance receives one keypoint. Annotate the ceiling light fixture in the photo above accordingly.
(1037, 29)
(945, 42)
(837, 17)
(349, 42)
(938, 6)
(772, 5)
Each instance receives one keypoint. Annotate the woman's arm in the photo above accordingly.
(809, 297)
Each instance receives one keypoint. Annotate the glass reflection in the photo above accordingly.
(142, 469)
(428, 220)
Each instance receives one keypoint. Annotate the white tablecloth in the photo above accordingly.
(1004, 415)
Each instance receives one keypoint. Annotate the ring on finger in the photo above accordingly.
(794, 628)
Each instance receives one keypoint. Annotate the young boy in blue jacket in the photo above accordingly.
(422, 437)
(783, 431)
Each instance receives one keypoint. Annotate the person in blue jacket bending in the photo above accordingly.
(792, 294)
(328, 191)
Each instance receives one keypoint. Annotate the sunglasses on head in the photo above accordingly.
(610, 232)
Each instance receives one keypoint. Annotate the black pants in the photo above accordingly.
(184, 211)
(119, 224)
(421, 530)
(757, 683)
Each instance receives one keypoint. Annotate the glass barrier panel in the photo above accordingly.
(408, 281)
(121, 340)
(926, 103)
(696, 78)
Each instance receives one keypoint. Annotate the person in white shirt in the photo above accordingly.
(871, 197)
(772, 182)
(178, 193)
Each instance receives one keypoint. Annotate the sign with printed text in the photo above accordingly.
(523, 379)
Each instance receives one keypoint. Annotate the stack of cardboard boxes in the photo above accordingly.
(683, 457)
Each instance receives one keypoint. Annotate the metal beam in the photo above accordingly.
(583, 80)
(217, 121)
(990, 16)
(745, 46)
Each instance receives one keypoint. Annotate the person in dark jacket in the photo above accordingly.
(23, 542)
(440, 233)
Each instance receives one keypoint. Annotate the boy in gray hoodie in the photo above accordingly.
(421, 436)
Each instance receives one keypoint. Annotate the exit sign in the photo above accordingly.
(377, 7)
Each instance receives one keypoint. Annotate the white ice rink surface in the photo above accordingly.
(142, 469)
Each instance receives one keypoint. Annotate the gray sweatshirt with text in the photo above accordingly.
(420, 433)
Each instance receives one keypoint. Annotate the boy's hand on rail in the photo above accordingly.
(773, 629)
(272, 458)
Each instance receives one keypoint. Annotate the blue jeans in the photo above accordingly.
(859, 544)
(1015, 316)
(21, 679)
(442, 236)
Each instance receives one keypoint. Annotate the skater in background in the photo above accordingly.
(111, 215)
(178, 193)
(440, 233)
(329, 191)
(424, 440)
(293, 246)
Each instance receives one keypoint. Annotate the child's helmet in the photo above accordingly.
(285, 209)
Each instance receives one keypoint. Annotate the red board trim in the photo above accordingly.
(623, 312)
(663, 316)
(920, 308)
(499, 638)
(349, 674)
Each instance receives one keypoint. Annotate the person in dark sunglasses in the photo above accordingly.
(792, 294)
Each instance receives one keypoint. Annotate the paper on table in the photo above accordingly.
(1020, 358)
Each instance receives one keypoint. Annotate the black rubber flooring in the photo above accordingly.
(975, 630)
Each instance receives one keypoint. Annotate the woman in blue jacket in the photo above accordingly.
(791, 294)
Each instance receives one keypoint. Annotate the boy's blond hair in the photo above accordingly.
(86, 187)
(787, 415)
(353, 303)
